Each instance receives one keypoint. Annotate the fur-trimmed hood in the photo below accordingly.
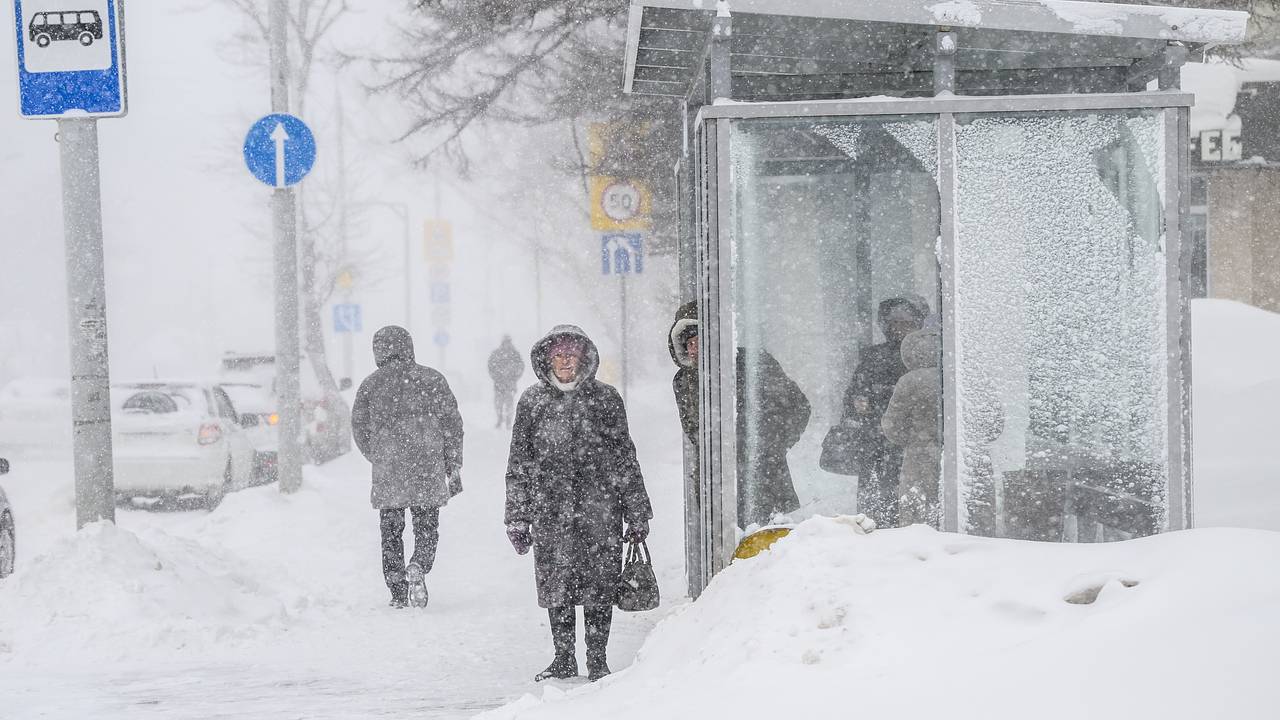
(686, 317)
(540, 358)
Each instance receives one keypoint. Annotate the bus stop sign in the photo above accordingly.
(70, 58)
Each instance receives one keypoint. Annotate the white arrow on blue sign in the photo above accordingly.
(280, 150)
(622, 253)
(70, 58)
(347, 318)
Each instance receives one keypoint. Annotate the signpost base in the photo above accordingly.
(87, 314)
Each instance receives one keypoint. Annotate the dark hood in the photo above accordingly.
(686, 315)
(541, 361)
(392, 343)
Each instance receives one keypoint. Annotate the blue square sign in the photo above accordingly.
(70, 58)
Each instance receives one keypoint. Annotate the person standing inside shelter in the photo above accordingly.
(406, 423)
(779, 412)
(572, 481)
(505, 368)
(879, 369)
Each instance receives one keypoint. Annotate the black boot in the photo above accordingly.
(565, 665)
(598, 619)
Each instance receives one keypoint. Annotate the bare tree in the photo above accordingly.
(323, 254)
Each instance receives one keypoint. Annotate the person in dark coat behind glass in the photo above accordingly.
(405, 422)
(779, 414)
(572, 481)
(879, 369)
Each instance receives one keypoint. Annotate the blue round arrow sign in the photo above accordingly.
(280, 150)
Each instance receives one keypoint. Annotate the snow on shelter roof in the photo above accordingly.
(782, 49)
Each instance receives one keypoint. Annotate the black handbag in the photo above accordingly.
(846, 445)
(638, 586)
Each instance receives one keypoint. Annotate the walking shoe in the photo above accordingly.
(417, 586)
(399, 596)
(560, 668)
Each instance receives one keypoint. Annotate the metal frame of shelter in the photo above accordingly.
(753, 59)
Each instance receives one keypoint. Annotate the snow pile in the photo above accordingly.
(1236, 383)
(106, 589)
(957, 12)
(915, 623)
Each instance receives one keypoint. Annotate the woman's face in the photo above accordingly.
(564, 365)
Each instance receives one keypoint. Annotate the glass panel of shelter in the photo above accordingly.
(1061, 373)
(835, 228)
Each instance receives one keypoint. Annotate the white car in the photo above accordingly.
(35, 418)
(8, 536)
(250, 399)
(179, 440)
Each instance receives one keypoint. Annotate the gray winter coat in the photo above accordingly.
(911, 421)
(573, 475)
(406, 423)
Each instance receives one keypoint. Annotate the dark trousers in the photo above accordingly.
(426, 535)
(598, 620)
(504, 404)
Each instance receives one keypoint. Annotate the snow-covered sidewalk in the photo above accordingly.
(274, 606)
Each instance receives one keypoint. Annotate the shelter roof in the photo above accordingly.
(793, 49)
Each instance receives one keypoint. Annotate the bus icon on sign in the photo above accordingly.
(83, 26)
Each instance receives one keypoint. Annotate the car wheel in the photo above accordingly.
(43, 40)
(215, 496)
(8, 545)
(86, 39)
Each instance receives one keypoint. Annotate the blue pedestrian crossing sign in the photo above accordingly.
(70, 58)
(347, 318)
(280, 150)
(621, 253)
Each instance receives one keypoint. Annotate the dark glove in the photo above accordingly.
(636, 532)
(520, 536)
(455, 481)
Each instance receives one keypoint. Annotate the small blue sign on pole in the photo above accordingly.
(622, 253)
(70, 58)
(347, 318)
(441, 338)
(280, 150)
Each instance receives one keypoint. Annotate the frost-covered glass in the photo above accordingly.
(831, 218)
(1061, 323)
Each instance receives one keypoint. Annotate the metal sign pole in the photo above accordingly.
(87, 311)
(624, 337)
(284, 212)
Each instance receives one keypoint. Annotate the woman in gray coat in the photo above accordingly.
(572, 480)
(912, 422)
(405, 422)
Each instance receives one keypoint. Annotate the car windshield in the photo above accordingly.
(249, 398)
(157, 399)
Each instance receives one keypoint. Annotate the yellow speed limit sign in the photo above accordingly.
(619, 204)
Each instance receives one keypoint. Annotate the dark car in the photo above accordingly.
(8, 546)
(84, 26)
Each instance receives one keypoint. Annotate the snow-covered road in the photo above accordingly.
(274, 606)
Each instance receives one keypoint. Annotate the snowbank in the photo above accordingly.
(106, 589)
(1236, 386)
(915, 623)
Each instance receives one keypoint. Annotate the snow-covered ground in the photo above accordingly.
(913, 623)
(274, 606)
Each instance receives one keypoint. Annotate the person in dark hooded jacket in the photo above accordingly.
(572, 480)
(781, 414)
(879, 369)
(505, 369)
(405, 422)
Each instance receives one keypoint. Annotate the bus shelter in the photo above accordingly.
(1008, 178)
